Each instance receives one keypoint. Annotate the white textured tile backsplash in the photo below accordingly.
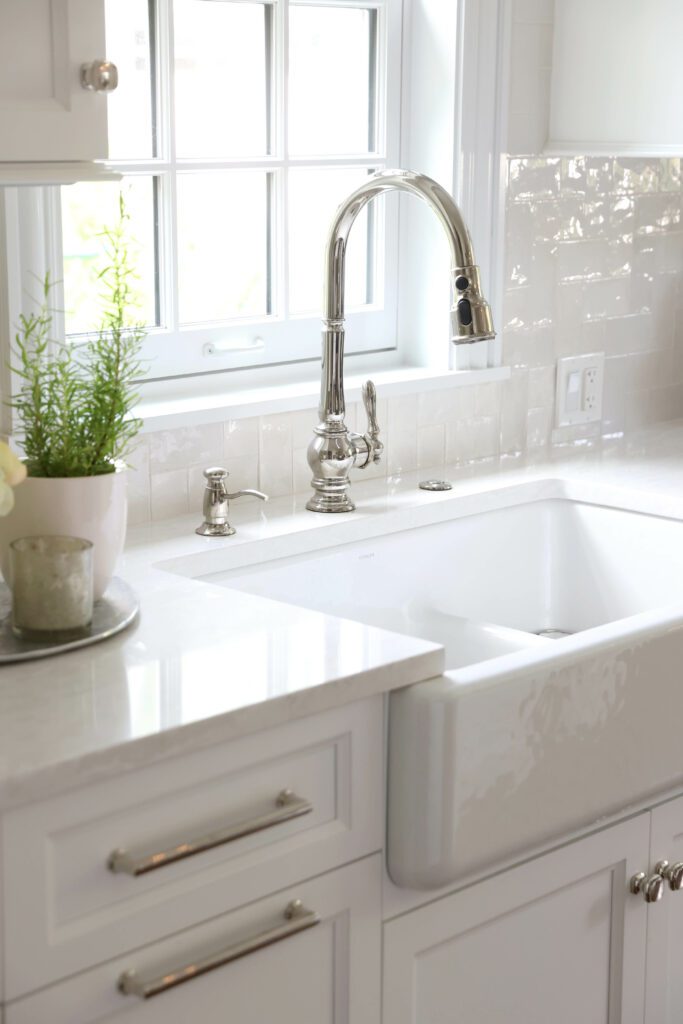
(169, 493)
(275, 455)
(175, 449)
(601, 241)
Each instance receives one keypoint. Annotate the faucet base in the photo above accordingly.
(215, 530)
(331, 454)
(330, 503)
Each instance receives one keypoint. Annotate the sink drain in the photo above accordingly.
(553, 634)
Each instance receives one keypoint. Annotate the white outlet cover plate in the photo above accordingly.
(592, 374)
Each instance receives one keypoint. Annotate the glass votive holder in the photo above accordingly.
(52, 588)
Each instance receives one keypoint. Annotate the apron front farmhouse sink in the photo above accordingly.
(562, 702)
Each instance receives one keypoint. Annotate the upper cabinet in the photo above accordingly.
(591, 77)
(617, 77)
(53, 89)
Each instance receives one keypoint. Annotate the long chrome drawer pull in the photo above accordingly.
(287, 806)
(297, 919)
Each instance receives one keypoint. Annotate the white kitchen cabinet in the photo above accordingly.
(590, 78)
(327, 974)
(559, 938)
(66, 911)
(45, 113)
(626, 98)
(664, 985)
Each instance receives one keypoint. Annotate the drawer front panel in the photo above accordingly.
(207, 832)
(326, 974)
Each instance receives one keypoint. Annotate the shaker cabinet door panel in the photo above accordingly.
(45, 113)
(558, 939)
(664, 986)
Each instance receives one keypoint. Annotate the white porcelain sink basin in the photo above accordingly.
(488, 584)
(524, 739)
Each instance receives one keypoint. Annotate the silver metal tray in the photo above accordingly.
(113, 612)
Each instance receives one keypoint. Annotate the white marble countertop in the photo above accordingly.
(205, 663)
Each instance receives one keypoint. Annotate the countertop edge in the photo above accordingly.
(144, 751)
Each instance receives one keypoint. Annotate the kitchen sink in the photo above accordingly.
(488, 584)
(562, 702)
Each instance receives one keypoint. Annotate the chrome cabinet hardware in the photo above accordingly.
(217, 503)
(673, 873)
(650, 888)
(296, 919)
(287, 806)
(99, 76)
(334, 449)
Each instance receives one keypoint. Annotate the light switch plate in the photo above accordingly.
(580, 382)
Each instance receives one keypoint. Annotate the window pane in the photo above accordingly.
(314, 196)
(129, 109)
(222, 245)
(331, 80)
(87, 208)
(221, 78)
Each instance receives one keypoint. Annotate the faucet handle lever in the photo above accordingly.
(375, 446)
(369, 393)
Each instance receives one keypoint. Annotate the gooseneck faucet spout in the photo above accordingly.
(334, 448)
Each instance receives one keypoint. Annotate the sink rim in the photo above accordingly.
(267, 547)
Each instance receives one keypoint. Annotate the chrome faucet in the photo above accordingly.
(334, 448)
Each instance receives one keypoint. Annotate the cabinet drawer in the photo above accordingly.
(66, 910)
(326, 973)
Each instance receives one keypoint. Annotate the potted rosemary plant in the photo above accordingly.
(74, 423)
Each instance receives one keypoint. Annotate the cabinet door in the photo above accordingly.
(558, 939)
(327, 974)
(45, 114)
(664, 979)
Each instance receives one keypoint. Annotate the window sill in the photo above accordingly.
(173, 412)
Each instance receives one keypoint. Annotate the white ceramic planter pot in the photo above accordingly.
(92, 507)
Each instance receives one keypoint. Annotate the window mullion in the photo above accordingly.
(54, 256)
(166, 148)
(359, 160)
(373, 106)
(282, 249)
(362, 4)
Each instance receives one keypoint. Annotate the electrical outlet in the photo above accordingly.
(579, 389)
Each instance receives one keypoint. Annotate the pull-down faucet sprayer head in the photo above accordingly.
(471, 318)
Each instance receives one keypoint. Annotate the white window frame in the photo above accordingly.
(175, 350)
(285, 337)
(472, 117)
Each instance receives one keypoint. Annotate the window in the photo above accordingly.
(239, 126)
